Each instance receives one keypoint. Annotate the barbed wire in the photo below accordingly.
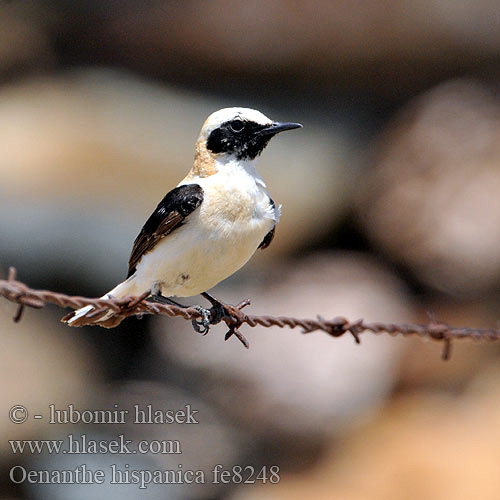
(19, 293)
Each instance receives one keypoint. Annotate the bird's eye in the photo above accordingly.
(237, 125)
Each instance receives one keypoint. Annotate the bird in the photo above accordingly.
(209, 225)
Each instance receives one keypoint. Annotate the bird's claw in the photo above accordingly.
(232, 315)
(203, 324)
(209, 317)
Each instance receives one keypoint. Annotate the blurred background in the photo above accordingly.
(391, 210)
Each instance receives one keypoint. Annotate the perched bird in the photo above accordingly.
(208, 226)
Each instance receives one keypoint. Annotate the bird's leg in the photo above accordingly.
(156, 296)
(200, 326)
(217, 311)
(210, 316)
(160, 299)
(220, 311)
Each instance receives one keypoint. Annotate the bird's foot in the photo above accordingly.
(228, 313)
(219, 311)
(202, 325)
(210, 316)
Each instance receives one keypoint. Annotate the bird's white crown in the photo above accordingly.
(216, 119)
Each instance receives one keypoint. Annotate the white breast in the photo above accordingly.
(217, 239)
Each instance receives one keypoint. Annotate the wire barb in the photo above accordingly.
(19, 293)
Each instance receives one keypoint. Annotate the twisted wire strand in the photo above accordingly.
(18, 292)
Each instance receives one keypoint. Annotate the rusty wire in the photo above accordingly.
(17, 292)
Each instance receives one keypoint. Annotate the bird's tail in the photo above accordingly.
(110, 319)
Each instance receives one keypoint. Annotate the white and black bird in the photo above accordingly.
(208, 226)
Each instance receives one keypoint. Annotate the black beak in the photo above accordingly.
(277, 127)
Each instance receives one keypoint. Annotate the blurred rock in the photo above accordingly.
(431, 200)
(421, 446)
(212, 441)
(359, 45)
(299, 387)
(87, 156)
(25, 43)
(421, 364)
(41, 363)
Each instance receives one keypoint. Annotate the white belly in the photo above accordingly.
(216, 241)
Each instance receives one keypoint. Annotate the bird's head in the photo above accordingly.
(239, 133)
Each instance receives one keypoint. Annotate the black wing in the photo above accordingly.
(270, 235)
(168, 215)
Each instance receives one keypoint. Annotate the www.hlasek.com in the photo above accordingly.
(82, 444)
